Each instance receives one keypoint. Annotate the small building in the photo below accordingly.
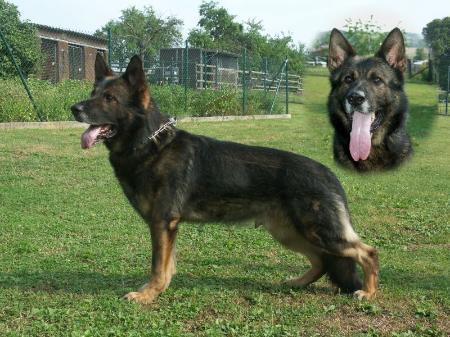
(68, 54)
(203, 67)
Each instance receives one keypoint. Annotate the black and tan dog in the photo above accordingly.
(367, 105)
(171, 176)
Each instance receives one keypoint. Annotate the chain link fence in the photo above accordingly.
(190, 81)
(184, 80)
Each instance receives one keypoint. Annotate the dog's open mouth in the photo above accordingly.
(360, 136)
(363, 125)
(95, 134)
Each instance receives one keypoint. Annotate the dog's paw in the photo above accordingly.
(361, 295)
(140, 297)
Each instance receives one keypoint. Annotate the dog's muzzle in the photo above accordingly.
(78, 112)
(356, 98)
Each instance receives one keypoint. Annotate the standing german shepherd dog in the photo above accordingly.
(170, 176)
(367, 105)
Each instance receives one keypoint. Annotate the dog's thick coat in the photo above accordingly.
(177, 176)
(367, 105)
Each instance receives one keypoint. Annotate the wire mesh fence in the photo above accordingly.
(192, 81)
(57, 68)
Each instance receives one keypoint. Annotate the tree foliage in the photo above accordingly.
(141, 32)
(437, 35)
(218, 29)
(365, 36)
(22, 39)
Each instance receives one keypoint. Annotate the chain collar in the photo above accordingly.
(154, 136)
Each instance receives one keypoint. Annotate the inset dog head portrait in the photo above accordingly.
(367, 105)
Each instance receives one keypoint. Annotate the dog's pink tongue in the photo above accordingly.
(360, 141)
(88, 137)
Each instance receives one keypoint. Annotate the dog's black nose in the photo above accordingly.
(356, 98)
(77, 108)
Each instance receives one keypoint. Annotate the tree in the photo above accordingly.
(141, 32)
(437, 35)
(365, 37)
(218, 29)
(23, 40)
(201, 39)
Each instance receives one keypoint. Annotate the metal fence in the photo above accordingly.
(184, 80)
(234, 83)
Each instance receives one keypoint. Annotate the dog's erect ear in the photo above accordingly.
(101, 69)
(135, 76)
(393, 50)
(340, 49)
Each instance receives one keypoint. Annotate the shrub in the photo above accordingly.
(54, 100)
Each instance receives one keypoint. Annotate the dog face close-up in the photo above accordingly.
(367, 102)
(115, 105)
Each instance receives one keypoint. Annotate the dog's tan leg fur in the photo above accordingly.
(163, 263)
(312, 275)
(367, 257)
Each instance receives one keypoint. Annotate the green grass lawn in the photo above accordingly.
(71, 246)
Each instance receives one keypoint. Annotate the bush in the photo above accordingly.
(54, 100)
(226, 101)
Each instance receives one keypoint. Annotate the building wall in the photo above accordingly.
(63, 39)
(62, 54)
(89, 63)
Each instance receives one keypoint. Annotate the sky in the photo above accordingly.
(302, 19)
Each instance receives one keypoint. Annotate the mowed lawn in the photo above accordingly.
(71, 246)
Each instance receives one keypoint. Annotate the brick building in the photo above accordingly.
(68, 54)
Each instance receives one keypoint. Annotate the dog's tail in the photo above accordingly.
(342, 272)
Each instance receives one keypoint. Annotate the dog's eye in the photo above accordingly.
(108, 97)
(348, 79)
(376, 80)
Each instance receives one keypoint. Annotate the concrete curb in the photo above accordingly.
(72, 124)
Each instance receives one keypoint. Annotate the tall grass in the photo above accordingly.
(54, 100)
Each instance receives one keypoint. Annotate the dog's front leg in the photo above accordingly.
(163, 261)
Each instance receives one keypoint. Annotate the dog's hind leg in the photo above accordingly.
(327, 227)
(312, 275)
(346, 243)
(367, 257)
(283, 230)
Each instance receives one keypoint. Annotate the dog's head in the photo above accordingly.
(365, 86)
(115, 103)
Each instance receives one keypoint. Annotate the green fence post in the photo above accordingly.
(109, 47)
(22, 78)
(287, 85)
(186, 62)
(244, 84)
(448, 88)
(265, 74)
(217, 70)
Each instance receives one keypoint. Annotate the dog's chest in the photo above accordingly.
(139, 197)
(137, 187)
